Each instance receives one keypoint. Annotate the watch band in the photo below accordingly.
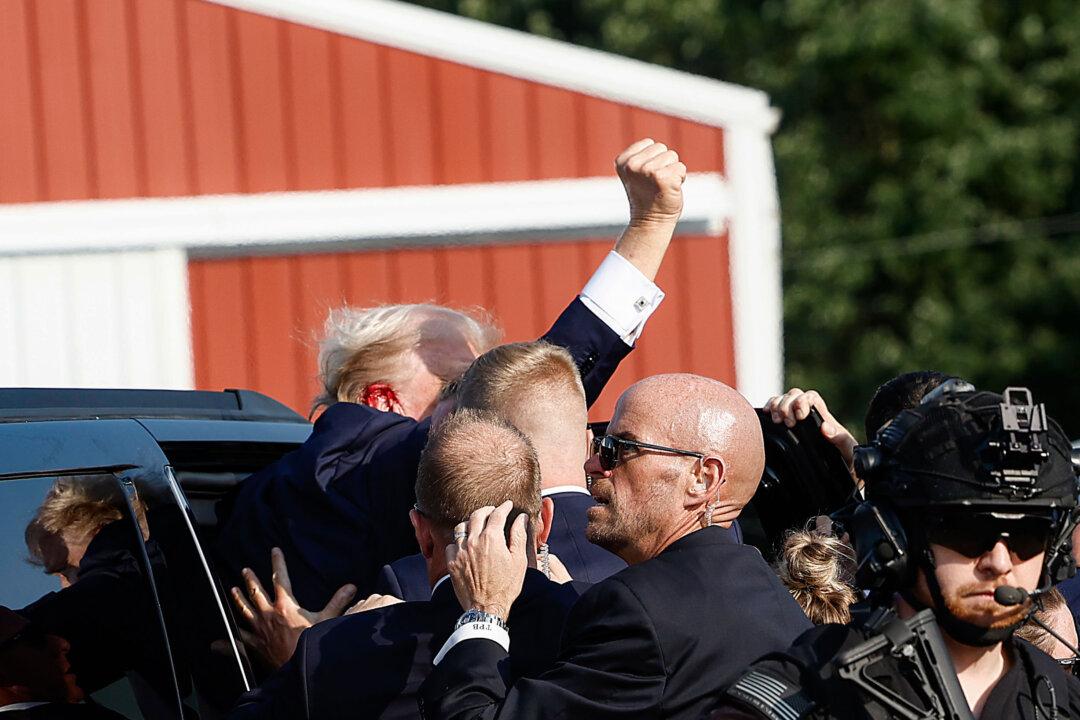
(474, 616)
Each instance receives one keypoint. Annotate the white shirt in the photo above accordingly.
(621, 296)
(624, 299)
(21, 706)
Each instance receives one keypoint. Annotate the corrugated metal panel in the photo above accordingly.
(99, 320)
(255, 320)
(121, 98)
(126, 98)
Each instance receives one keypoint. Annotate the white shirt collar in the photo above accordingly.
(439, 582)
(21, 706)
(564, 489)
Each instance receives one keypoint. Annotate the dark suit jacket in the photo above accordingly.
(338, 505)
(369, 665)
(407, 579)
(658, 640)
(62, 711)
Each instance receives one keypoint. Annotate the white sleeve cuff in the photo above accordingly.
(482, 630)
(621, 296)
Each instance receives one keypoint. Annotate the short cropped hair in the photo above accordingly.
(475, 458)
(1053, 608)
(497, 379)
(361, 346)
(901, 393)
(818, 571)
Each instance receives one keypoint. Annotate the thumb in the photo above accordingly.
(451, 555)
(518, 537)
(338, 603)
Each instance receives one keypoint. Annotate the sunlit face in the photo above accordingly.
(968, 584)
(634, 501)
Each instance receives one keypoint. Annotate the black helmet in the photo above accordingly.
(964, 463)
(976, 451)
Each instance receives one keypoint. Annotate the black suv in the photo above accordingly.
(108, 501)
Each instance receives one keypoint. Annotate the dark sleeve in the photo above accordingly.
(769, 689)
(386, 582)
(609, 667)
(596, 348)
(282, 696)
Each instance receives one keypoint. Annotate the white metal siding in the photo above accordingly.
(109, 319)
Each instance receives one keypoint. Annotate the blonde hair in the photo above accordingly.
(818, 571)
(361, 346)
(497, 379)
(75, 510)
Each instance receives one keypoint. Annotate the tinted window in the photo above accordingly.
(79, 614)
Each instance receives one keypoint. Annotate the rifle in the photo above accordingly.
(919, 649)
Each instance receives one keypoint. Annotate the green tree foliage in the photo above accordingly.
(927, 163)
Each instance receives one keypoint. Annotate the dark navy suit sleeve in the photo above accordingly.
(596, 348)
(386, 582)
(405, 578)
(282, 696)
(610, 666)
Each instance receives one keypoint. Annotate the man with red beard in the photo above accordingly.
(969, 503)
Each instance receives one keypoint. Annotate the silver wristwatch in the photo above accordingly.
(477, 616)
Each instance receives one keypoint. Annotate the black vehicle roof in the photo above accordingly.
(23, 404)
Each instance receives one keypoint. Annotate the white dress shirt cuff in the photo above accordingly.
(475, 631)
(621, 296)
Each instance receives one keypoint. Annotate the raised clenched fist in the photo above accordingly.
(653, 177)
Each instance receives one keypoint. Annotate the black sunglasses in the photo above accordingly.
(30, 634)
(975, 536)
(609, 449)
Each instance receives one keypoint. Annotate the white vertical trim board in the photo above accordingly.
(550, 62)
(754, 249)
(115, 319)
(307, 221)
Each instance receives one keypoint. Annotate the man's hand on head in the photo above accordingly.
(488, 572)
(795, 404)
(652, 176)
(276, 625)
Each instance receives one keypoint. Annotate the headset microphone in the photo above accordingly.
(1009, 596)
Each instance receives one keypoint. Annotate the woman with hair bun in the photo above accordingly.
(818, 570)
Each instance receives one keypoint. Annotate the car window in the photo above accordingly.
(205, 647)
(79, 615)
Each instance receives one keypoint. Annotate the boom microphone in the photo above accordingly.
(1008, 596)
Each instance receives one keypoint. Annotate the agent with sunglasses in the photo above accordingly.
(682, 456)
(970, 501)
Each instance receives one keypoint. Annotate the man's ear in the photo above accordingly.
(547, 512)
(707, 482)
(381, 397)
(424, 537)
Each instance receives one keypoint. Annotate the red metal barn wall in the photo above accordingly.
(144, 98)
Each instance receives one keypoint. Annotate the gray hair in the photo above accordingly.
(361, 346)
